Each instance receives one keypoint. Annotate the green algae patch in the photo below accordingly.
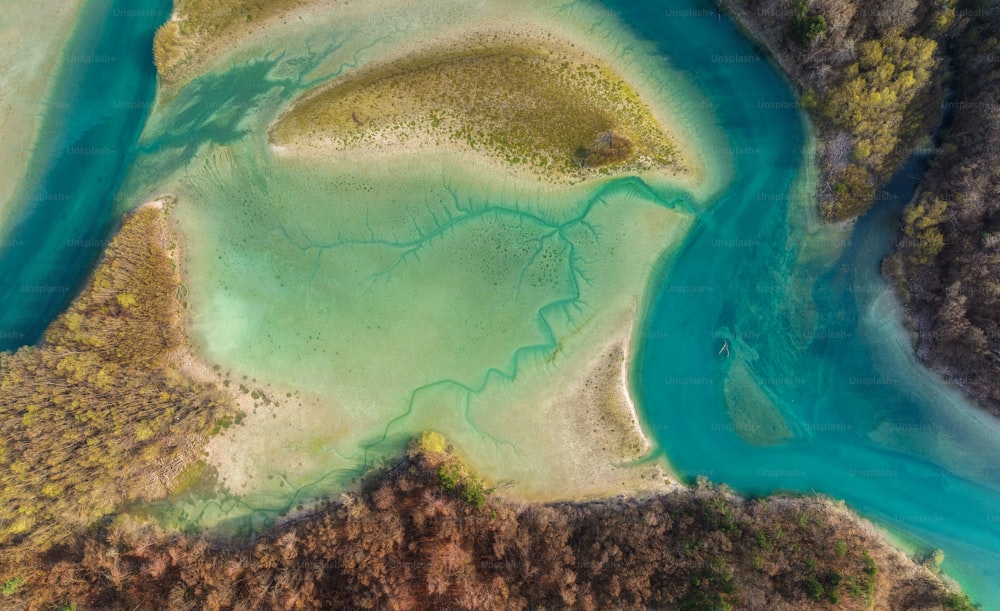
(196, 478)
(540, 106)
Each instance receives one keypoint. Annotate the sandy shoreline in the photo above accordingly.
(222, 455)
(456, 154)
(594, 426)
(423, 145)
(594, 432)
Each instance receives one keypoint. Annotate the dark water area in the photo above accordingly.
(63, 213)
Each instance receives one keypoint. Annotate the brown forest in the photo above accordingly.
(949, 250)
(415, 538)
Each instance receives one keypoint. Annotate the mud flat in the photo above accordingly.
(502, 323)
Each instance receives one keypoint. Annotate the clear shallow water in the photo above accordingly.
(64, 206)
(814, 339)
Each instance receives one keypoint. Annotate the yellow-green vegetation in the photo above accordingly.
(536, 105)
(878, 102)
(169, 51)
(429, 442)
(456, 477)
(179, 42)
(453, 475)
(215, 16)
(98, 415)
(920, 226)
(11, 586)
(197, 477)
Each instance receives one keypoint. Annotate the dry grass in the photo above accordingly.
(169, 50)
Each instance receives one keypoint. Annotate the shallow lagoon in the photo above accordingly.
(370, 297)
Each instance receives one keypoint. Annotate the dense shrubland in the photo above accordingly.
(97, 415)
(413, 538)
(949, 253)
(882, 101)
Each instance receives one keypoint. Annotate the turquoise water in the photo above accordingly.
(813, 333)
(817, 329)
(64, 205)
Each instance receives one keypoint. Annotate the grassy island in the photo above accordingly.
(184, 43)
(538, 105)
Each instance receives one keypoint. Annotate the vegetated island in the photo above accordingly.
(873, 76)
(199, 29)
(101, 418)
(533, 103)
